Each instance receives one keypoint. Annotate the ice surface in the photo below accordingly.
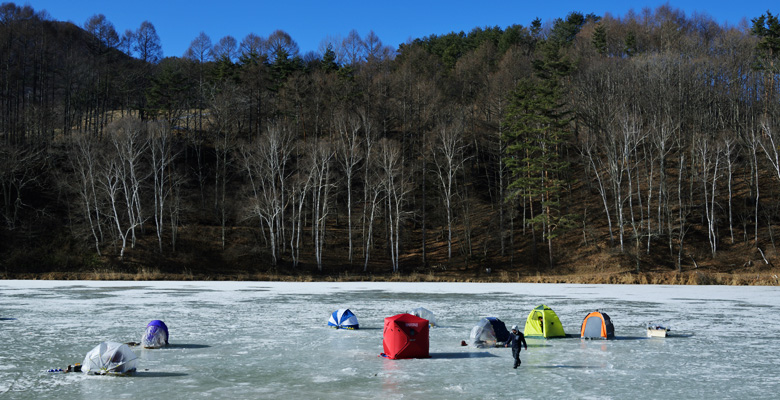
(270, 340)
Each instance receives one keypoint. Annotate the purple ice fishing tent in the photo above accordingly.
(156, 335)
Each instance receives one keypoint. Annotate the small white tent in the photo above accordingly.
(424, 313)
(109, 358)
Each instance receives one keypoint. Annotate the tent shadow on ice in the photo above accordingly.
(543, 322)
(488, 332)
(188, 346)
(465, 354)
(597, 325)
(109, 358)
(556, 366)
(343, 319)
(158, 374)
(405, 336)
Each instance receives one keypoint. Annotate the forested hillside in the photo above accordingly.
(644, 143)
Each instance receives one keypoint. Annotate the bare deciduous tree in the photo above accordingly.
(374, 50)
(111, 181)
(372, 203)
(352, 47)
(129, 140)
(17, 173)
(396, 189)
(226, 105)
(265, 163)
(120, 178)
(226, 48)
(349, 153)
(252, 45)
(127, 42)
(709, 155)
(588, 148)
(319, 157)
(730, 151)
(300, 185)
(103, 30)
(147, 43)
(281, 43)
(200, 49)
(448, 160)
(84, 159)
(162, 156)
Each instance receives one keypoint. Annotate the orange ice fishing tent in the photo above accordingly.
(597, 325)
(405, 336)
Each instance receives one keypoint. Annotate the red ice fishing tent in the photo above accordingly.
(405, 336)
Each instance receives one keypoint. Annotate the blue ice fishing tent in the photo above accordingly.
(343, 319)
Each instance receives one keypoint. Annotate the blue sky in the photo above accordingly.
(309, 22)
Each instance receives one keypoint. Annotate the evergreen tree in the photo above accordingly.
(536, 27)
(536, 33)
(513, 35)
(630, 44)
(536, 130)
(225, 70)
(329, 60)
(282, 67)
(167, 95)
(563, 31)
(600, 39)
(767, 29)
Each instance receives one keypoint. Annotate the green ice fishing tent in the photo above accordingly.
(549, 326)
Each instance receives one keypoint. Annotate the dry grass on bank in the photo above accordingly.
(764, 278)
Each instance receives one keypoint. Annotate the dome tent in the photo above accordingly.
(597, 325)
(155, 336)
(109, 358)
(488, 332)
(549, 327)
(424, 313)
(405, 336)
(343, 319)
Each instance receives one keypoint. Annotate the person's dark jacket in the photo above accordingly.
(515, 340)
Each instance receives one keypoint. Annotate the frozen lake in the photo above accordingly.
(270, 340)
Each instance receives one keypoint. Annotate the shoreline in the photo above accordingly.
(763, 278)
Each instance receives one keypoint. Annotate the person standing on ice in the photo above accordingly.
(515, 339)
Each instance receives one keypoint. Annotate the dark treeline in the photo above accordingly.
(652, 137)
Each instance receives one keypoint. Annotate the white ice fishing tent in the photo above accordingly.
(109, 358)
(489, 332)
(424, 313)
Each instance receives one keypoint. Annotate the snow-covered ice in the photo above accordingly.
(270, 340)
